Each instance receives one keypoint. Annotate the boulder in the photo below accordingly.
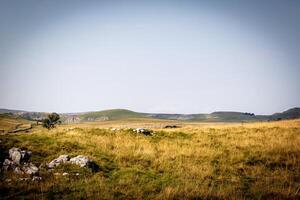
(29, 168)
(143, 131)
(65, 174)
(24, 179)
(18, 170)
(8, 164)
(58, 161)
(19, 156)
(36, 178)
(80, 160)
(84, 161)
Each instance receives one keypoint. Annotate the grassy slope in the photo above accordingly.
(10, 122)
(222, 161)
(117, 114)
(112, 114)
(224, 117)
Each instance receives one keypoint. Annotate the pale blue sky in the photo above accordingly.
(155, 56)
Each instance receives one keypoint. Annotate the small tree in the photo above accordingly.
(51, 121)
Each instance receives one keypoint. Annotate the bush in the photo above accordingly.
(51, 121)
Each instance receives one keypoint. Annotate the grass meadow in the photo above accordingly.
(195, 161)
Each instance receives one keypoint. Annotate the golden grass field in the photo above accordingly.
(195, 161)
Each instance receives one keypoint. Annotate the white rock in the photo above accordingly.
(30, 169)
(80, 160)
(36, 178)
(8, 162)
(18, 156)
(17, 170)
(83, 161)
(58, 161)
(65, 174)
(24, 179)
(143, 131)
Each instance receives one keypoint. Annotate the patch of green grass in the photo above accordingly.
(171, 135)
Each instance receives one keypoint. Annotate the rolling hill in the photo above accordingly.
(116, 114)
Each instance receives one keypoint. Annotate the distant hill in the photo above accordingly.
(112, 114)
(212, 117)
(289, 114)
(115, 114)
(11, 122)
(10, 111)
(25, 114)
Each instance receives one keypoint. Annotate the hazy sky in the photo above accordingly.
(154, 56)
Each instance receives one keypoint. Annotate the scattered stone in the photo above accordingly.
(65, 174)
(58, 161)
(171, 126)
(80, 160)
(56, 174)
(8, 180)
(143, 131)
(8, 164)
(17, 170)
(19, 156)
(36, 178)
(83, 161)
(30, 169)
(17, 162)
(77, 174)
(24, 179)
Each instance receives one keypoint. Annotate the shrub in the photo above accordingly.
(51, 121)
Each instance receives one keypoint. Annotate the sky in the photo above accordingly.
(150, 56)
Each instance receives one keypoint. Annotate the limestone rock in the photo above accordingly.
(36, 178)
(29, 168)
(143, 131)
(65, 174)
(84, 161)
(80, 160)
(18, 170)
(58, 161)
(19, 156)
(8, 164)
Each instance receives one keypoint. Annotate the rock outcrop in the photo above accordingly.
(29, 168)
(143, 131)
(79, 160)
(18, 162)
(19, 156)
(58, 161)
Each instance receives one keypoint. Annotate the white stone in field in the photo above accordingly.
(143, 131)
(80, 160)
(29, 168)
(17, 170)
(65, 174)
(18, 156)
(36, 178)
(58, 161)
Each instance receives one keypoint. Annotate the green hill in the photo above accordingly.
(115, 114)
(112, 114)
(292, 113)
(13, 123)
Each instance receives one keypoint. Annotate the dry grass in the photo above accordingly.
(10, 123)
(196, 161)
